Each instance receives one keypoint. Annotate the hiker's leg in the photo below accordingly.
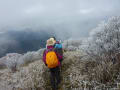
(58, 78)
(52, 79)
(61, 65)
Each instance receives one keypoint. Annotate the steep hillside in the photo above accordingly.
(78, 73)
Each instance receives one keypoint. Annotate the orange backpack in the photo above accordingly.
(51, 59)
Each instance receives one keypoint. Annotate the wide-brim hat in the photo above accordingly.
(50, 42)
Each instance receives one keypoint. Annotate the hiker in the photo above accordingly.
(58, 48)
(52, 60)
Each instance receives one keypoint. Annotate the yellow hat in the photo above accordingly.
(50, 42)
(52, 39)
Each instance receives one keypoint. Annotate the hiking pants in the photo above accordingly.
(55, 77)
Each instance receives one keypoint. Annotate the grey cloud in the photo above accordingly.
(64, 18)
(50, 13)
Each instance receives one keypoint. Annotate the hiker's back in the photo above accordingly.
(51, 58)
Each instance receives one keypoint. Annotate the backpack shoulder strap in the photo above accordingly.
(48, 50)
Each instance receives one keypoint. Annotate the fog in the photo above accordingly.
(75, 16)
(64, 18)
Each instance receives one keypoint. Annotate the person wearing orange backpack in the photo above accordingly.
(52, 60)
(58, 47)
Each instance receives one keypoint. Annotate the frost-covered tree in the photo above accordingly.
(104, 40)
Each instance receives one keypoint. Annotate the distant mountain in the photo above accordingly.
(22, 41)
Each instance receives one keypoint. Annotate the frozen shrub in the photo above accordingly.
(34, 76)
(71, 48)
(105, 72)
(40, 52)
(27, 78)
(12, 61)
(104, 41)
(31, 56)
(2, 62)
(102, 47)
(89, 74)
(72, 44)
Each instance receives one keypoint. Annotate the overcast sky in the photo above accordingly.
(74, 16)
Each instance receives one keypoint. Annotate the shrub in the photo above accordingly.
(104, 39)
(31, 56)
(102, 47)
(31, 77)
(12, 61)
(72, 44)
